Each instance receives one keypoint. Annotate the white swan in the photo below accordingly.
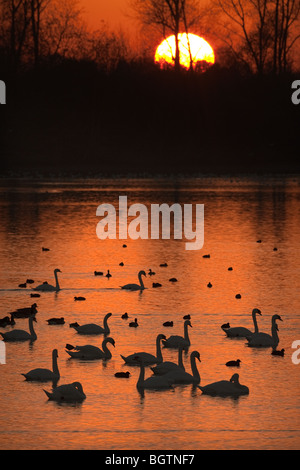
(139, 286)
(43, 375)
(176, 341)
(93, 329)
(179, 376)
(240, 331)
(148, 359)
(92, 352)
(225, 388)
(45, 287)
(67, 393)
(153, 382)
(265, 340)
(21, 335)
(168, 366)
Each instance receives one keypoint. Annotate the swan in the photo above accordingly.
(148, 359)
(67, 393)
(139, 286)
(153, 382)
(21, 335)
(240, 331)
(92, 352)
(45, 287)
(179, 376)
(175, 341)
(93, 329)
(43, 375)
(265, 340)
(225, 388)
(168, 366)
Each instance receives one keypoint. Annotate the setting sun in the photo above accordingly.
(190, 45)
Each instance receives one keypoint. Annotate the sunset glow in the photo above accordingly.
(189, 44)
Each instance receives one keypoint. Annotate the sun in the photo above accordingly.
(190, 45)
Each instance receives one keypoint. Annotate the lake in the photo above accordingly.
(245, 218)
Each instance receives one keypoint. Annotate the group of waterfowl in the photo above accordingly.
(166, 374)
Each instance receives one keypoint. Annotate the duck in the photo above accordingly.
(209, 285)
(173, 279)
(238, 296)
(225, 388)
(79, 298)
(121, 264)
(156, 284)
(233, 363)
(240, 331)
(148, 359)
(56, 321)
(91, 352)
(206, 256)
(93, 329)
(45, 249)
(35, 295)
(180, 376)
(4, 322)
(175, 341)
(45, 287)
(23, 286)
(108, 275)
(278, 353)
(265, 340)
(21, 335)
(67, 393)
(44, 375)
(167, 366)
(124, 375)
(124, 316)
(133, 324)
(151, 273)
(168, 323)
(25, 312)
(98, 273)
(163, 265)
(134, 287)
(187, 317)
(154, 382)
(30, 281)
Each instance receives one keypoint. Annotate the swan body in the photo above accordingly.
(263, 339)
(146, 358)
(153, 382)
(176, 341)
(225, 388)
(240, 331)
(93, 329)
(139, 286)
(43, 375)
(180, 376)
(168, 366)
(25, 312)
(92, 352)
(67, 393)
(21, 335)
(45, 287)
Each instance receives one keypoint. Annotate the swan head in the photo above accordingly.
(277, 317)
(55, 353)
(108, 315)
(33, 318)
(196, 354)
(256, 311)
(57, 270)
(161, 336)
(235, 379)
(188, 323)
(110, 340)
(142, 273)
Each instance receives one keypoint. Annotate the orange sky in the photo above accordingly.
(114, 12)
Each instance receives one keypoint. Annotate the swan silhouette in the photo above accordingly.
(175, 341)
(21, 335)
(179, 376)
(25, 312)
(92, 352)
(263, 339)
(139, 286)
(146, 358)
(168, 366)
(93, 329)
(225, 388)
(240, 331)
(44, 375)
(67, 393)
(154, 382)
(45, 287)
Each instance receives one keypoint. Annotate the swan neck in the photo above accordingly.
(141, 280)
(255, 322)
(275, 332)
(106, 351)
(186, 333)
(56, 280)
(180, 362)
(31, 329)
(141, 379)
(105, 324)
(158, 349)
(194, 367)
(54, 364)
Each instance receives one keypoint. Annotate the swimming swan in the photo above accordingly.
(92, 352)
(93, 329)
(21, 335)
(139, 286)
(180, 376)
(265, 340)
(176, 341)
(148, 359)
(168, 366)
(240, 331)
(225, 388)
(43, 375)
(153, 382)
(67, 393)
(45, 287)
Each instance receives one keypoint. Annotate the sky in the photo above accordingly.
(114, 12)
